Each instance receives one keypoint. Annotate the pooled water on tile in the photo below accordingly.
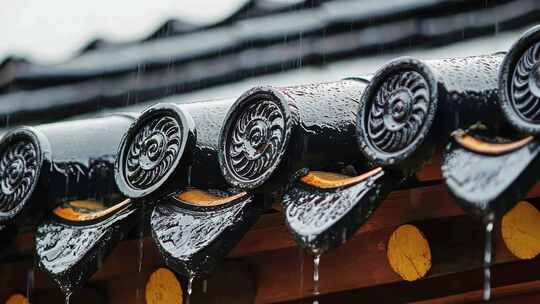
(185, 233)
(313, 213)
(60, 246)
(488, 222)
(65, 252)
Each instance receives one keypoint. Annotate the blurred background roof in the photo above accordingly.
(64, 59)
(52, 31)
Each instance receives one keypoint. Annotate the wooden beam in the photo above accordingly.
(502, 294)
(432, 170)
(358, 270)
(362, 263)
(434, 287)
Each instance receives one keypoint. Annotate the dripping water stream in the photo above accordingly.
(316, 277)
(488, 222)
(67, 290)
(67, 296)
(189, 288)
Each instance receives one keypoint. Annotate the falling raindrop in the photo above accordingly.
(496, 22)
(67, 185)
(301, 272)
(205, 286)
(141, 255)
(488, 221)
(99, 260)
(189, 176)
(343, 235)
(141, 248)
(29, 285)
(316, 277)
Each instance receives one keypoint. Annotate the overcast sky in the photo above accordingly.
(51, 30)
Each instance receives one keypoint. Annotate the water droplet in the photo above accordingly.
(205, 286)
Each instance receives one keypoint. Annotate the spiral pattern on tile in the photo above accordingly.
(19, 166)
(255, 140)
(525, 85)
(153, 151)
(398, 111)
